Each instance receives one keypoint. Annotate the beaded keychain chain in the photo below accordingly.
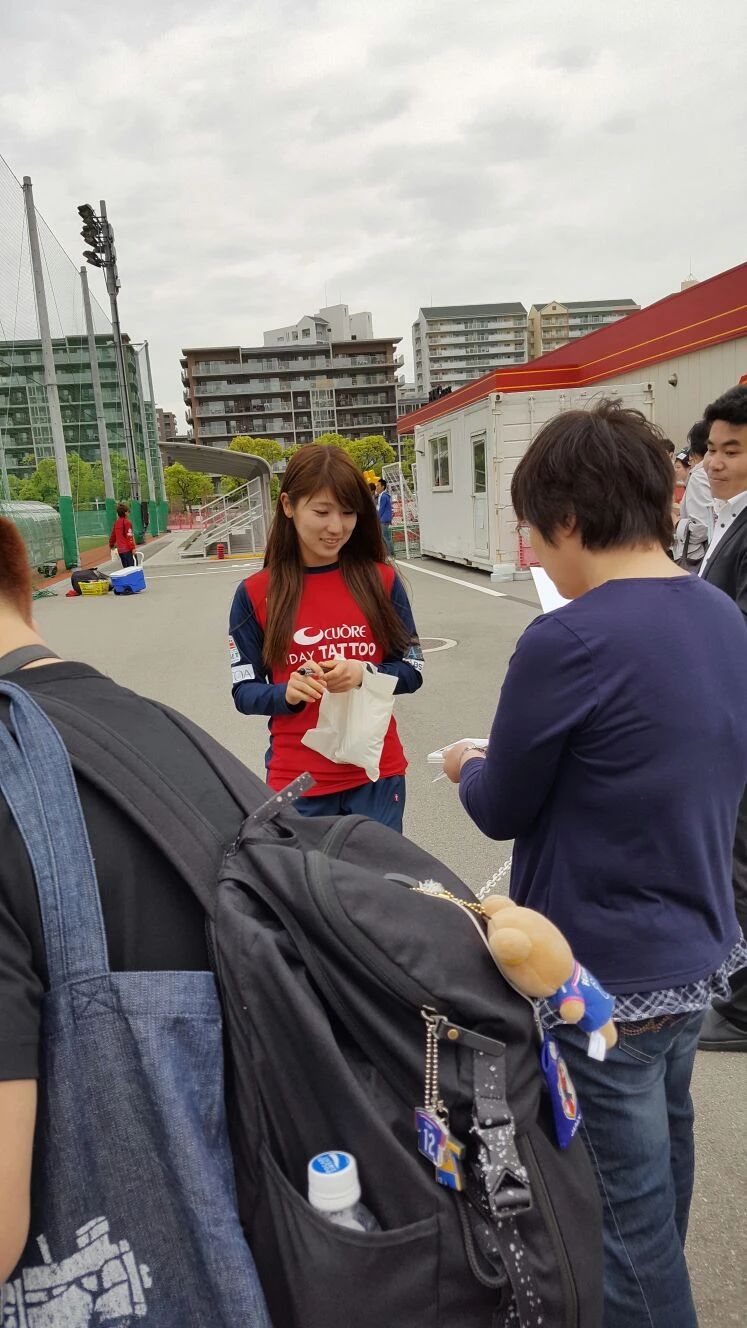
(475, 910)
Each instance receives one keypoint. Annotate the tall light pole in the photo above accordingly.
(99, 235)
(152, 509)
(106, 465)
(163, 506)
(67, 514)
(4, 470)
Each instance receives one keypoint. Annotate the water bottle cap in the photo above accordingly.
(333, 1182)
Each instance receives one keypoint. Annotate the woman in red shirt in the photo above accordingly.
(122, 538)
(326, 602)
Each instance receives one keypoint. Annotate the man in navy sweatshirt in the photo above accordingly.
(587, 769)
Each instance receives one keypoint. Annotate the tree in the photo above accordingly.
(370, 453)
(266, 448)
(41, 487)
(120, 478)
(186, 486)
(97, 490)
(262, 447)
(407, 453)
(81, 479)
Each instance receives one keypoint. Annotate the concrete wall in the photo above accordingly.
(361, 326)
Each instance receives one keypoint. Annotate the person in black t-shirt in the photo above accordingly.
(152, 920)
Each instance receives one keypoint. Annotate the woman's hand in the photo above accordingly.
(342, 675)
(455, 757)
(307, 686)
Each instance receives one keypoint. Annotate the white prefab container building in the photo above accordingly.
(669, 361)
(465, 462)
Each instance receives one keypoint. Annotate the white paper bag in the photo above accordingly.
(353, 725)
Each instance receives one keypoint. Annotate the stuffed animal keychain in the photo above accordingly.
(536, 959)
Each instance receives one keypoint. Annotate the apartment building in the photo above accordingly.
(166, 422)
(25, 430)
(292, 392)
(409, 399)
(555, 323)
(454, 344)
(333, 323)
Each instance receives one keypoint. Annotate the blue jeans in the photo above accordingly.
(638, 1128)
(386, 531)
(383, 801)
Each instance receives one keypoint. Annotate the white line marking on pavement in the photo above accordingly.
(455, 581)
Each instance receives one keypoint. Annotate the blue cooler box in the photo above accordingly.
(129, 581)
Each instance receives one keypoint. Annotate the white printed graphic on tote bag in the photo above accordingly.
(99, 1284)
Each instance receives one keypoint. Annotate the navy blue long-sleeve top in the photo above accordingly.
(617, 760)
(330, 622)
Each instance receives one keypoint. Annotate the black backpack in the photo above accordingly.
(79, 575)
(352, 996)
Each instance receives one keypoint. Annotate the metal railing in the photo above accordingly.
(233, 518)
(405, 528)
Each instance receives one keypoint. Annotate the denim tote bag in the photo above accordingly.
(133, 1203)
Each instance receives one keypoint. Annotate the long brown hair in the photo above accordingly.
(310, 470)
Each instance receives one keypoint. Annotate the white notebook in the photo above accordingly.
(436, 758)
(549, 596)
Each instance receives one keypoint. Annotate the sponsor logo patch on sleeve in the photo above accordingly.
(241, 673)
(414, 657)
(234, 651)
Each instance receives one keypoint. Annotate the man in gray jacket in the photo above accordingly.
(695, 526)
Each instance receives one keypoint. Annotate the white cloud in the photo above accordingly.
(398, 154)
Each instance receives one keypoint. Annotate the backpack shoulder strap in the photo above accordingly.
(128, 779)
(247, 790)
(16, 659)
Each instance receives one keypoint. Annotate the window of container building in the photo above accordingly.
(440, 462)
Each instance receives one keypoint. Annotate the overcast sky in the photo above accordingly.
(258, 157)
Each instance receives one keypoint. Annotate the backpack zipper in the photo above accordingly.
(408, 991)
(339, 832)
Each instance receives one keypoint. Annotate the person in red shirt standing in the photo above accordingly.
(122, 537)
(325, 604)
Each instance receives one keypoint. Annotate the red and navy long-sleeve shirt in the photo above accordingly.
(329, 623)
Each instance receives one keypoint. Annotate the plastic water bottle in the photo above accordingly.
(335, 1191)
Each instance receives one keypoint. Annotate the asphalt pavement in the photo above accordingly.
(171, 643)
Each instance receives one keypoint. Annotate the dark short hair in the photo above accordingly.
(607, 469)
(15, 570)
(383, 483)
(697, 439)
(669, 445)
(122, 509)
(731, 407)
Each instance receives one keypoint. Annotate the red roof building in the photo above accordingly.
(682, 325)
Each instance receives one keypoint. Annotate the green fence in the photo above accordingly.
(92, 523)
